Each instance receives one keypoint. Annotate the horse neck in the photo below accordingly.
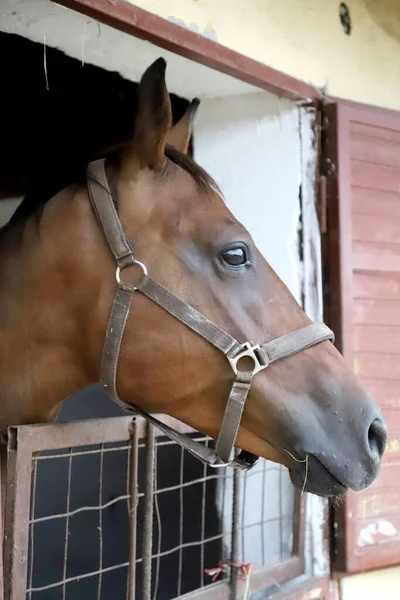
(46, 300)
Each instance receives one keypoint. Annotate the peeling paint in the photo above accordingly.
(195, 28)
(177, 21)
(374, 532)
(208, 32)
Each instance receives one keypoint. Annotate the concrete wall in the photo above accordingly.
(305, 39)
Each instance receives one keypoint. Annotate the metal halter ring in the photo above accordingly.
(249, 350)
(134, 262)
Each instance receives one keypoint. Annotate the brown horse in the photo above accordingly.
(57, 279)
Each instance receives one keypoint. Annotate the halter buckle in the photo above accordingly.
(253, 352)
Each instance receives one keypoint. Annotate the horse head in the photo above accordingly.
(308, 412)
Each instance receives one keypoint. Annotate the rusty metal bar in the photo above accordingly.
(147, 545)
(156, 578)
(203, 521)
(132, 503)
(243, 513)
(180, 564)
(100, 526)
(3, 474)
(76, 433)
(32, 527)
(235, 535)
(92, 431)
(17, 516)
(67, 518)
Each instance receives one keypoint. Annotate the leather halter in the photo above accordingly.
(262, 355)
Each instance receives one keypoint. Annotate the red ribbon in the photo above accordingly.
(224, 567)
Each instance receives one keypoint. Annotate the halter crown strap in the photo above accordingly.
(104, 209)
(263, 355)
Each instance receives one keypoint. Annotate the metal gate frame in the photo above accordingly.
(2, 496)
(27, 440)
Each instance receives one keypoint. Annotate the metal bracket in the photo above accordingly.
(250, 350)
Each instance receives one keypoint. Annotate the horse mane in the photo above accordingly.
(34, 202)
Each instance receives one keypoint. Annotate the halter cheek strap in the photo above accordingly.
(262, 355)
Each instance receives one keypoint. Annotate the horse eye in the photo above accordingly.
(235, 257)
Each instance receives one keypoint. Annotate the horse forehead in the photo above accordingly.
(175, 201)
(184, 195)
(207, 215)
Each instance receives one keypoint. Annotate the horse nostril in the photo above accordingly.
(377, 438)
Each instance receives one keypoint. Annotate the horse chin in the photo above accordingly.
(317, 480)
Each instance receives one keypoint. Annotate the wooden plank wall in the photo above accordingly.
(367, 148)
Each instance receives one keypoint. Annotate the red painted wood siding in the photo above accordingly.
(364, 228)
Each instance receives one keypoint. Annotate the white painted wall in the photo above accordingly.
(94, 43)
(316, 547)
(259, 148)
(7, 207)
(250, 144)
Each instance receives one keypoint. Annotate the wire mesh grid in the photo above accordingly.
(188, 533)
(267, 515)
(59, 571)
(145, 519)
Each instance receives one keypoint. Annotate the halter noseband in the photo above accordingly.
(262, 355)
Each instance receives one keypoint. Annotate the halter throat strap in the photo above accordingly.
(262, 355)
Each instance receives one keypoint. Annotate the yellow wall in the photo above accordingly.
(305, 38)
(384, 584)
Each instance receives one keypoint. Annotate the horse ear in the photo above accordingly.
(179, 135)
(153, 117)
